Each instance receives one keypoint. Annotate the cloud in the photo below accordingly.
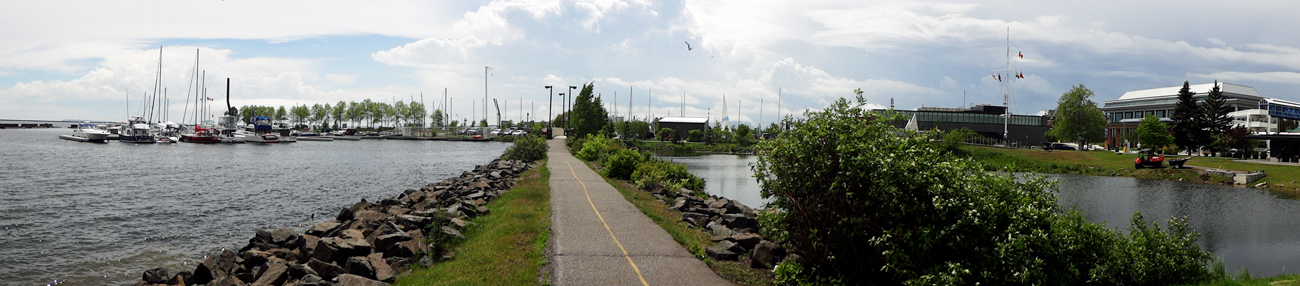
(1274, 77)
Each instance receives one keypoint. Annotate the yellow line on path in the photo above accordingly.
(602, 221)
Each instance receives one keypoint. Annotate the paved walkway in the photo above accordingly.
(599, 238)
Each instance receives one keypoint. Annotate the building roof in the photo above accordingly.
(1199, 89)
(698, 120)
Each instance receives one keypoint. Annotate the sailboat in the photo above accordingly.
(200, 133)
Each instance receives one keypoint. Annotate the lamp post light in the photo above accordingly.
(563, 102)
(569, 116)
(550, 121)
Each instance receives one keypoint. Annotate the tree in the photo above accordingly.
(339, 112)
(744, 135)
(589, 115)
(862, 201)
(1152, 133)
(437, 118)
(482, 123)
(1215, 118)
(1189, 132)
(1078, 118)
(667, 134)
(280, 114)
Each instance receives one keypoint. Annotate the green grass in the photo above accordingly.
(1097, 163)
(506, 247)
(1282, 180)
(693, 239)
(1280, 280)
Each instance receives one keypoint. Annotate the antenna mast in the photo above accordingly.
(1011, 73)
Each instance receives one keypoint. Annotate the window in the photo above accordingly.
(1160, 113)
(1128, 115)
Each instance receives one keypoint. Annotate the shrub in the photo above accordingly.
(622, 163)
(694, 135)
(867, 203)
(527, 149)
(657, 173)
(667, 134)
(595, 147)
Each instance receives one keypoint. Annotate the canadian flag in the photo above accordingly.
(210, 99)
(1022, 55)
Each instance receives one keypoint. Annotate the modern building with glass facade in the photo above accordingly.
(986, 120)
(1124, 113)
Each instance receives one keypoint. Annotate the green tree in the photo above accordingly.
(863, 201)
(482, 123)
(1189, 131)
(589, 115)
(281, 114)
(744, 135)
(437, 118)
(339, 112)
(1152, 133)
(667, 134)
(1077, 118)
(1215, 118)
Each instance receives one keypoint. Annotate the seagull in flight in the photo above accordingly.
(688, 45)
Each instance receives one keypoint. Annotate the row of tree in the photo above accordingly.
(368, 112)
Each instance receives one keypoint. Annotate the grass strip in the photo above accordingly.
(693, 239)
(1283, 180)
(506, 247)
(1245, 280)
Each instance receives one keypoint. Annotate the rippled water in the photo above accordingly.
(1247, 228)
(102, 213)
(728, 176)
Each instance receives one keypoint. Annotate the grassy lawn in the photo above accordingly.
(506, 247)
(693, 239)
(1282, 180)
(1280, 280)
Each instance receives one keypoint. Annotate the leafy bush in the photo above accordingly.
(694, 135)
(595, 147)
(669, 175)
(622, 163)
(526, 148)
(869, 203)
(667, 134)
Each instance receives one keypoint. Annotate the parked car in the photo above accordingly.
(1148, 158)
(519, 133)
(1058, 146)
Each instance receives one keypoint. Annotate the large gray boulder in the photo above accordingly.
(766, 254)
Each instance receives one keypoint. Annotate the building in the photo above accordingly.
(1124, 114)
(986, 120)
(683, 125)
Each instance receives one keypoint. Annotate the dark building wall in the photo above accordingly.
(1025, 135)
(683, 129)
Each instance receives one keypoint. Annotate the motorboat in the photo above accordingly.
(136, 131)
(87, 132)
(263, 138)
(202, 135)
(228, 131)
(261, 131)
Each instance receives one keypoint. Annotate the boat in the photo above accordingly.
(87, 132)
(203, 131)
(228, 132)
(114, 131)
(136, 131)
(261, 131)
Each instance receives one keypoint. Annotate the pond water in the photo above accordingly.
(1248, 228)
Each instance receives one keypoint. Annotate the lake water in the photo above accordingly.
(728, 176)
(101, 213)
(1247, 228)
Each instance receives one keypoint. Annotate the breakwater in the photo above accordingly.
(365, 244)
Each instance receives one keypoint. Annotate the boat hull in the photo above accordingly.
(194, 138)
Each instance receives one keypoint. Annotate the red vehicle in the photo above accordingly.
(1148, 158)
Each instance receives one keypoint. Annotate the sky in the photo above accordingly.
(97, 60)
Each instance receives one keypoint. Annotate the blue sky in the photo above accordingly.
(71, 59)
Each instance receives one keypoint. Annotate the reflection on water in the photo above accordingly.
(728, 176)
(1247, 228)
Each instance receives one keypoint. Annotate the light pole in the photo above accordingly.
(550, 121)
(569, 115)
(563, 102)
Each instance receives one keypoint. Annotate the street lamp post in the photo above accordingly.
(550, 121)
(569, 116)
(564, 102)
